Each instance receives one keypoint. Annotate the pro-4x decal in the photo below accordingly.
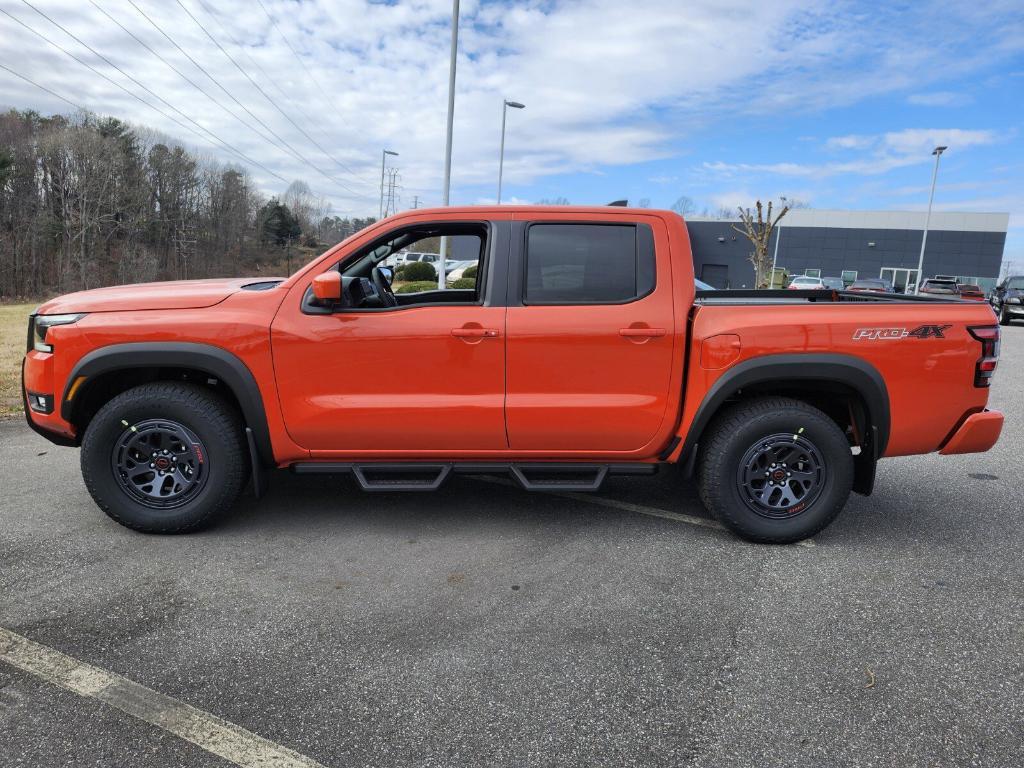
(921, 332)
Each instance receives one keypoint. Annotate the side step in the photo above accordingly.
(417, 476)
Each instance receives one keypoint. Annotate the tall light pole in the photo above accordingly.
(383, 158)
(451, 103)
(448, 137)
(501, 156)
(927, 219)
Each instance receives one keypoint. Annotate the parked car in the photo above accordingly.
(451, 265)
(969, 291)
(834, 283)
(803, 282)
(936, 287)
(871, 285)
(458, 272)
(568, 365)
(401, 259)
(1008, 299)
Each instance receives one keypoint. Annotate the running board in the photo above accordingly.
(420, 476)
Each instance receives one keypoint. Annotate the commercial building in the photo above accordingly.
(852, 244)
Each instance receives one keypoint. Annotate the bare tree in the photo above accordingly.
(684, 205)
(759, 232)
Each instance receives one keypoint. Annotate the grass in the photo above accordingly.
(13, 326)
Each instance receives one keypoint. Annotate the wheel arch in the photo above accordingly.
(109, 370)
(810, 377)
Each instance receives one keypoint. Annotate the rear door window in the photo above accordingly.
(588, 263)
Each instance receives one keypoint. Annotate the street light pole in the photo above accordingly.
(448, 137)
(927, 219)
(451, 103)
(501, 156)
(383, 157)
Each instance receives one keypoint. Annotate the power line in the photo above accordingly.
(43, 88)
(116, 84)
(295, 53)
(181, 74)
(282, 144)
(214, 15)
(270, 100)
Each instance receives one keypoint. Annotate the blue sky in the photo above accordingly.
(836, 104)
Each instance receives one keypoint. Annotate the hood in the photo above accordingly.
(178, 294)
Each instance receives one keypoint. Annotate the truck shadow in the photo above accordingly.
(329, 500)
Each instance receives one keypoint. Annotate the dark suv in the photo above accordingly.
(1008, 299)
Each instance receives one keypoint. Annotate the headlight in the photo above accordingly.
(43, 323)
(1013, 300)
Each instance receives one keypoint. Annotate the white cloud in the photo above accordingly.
(604, 82)
(939, 99)
(880, 153)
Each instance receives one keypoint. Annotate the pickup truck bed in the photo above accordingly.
(579, 349)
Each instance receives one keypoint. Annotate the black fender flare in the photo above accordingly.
(217, 362)
(849, 370)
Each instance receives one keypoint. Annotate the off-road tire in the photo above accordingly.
(205, 414)
(738, 430)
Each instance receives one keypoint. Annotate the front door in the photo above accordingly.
(415, 378)
(590, 337)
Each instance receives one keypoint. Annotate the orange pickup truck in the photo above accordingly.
(580, 349)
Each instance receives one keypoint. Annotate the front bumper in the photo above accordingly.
(37, 377)
(977, 434)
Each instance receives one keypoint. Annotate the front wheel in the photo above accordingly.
(775, 470)
(165, 457)
(1004, 316)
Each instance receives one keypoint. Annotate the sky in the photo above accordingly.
(834, 104)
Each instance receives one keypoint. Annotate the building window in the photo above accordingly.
(849, 276)
(812, 272)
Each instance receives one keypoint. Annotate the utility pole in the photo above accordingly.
(928, 218)
(391, 204)
(383, 158)
(448, 137)
(415, 202)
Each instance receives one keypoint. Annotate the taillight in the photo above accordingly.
(988, 335)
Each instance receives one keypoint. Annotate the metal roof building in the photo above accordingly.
(852, 244)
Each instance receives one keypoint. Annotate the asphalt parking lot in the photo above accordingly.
(482, 625)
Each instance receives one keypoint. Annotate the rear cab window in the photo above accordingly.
(568, 263)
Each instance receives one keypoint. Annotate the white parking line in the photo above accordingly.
(219, 737)
(629, 507)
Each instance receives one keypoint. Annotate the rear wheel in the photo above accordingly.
(775, 470)
(165, 457)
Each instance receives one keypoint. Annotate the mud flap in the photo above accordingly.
(259, 478)
(864, 465)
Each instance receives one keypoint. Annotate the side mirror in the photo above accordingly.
(327, 287)
(387, 273)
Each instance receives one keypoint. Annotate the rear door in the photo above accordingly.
(590, 334)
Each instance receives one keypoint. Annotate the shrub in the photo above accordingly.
(419, 270)
(469, 272)
(464, 282)
(421, 285)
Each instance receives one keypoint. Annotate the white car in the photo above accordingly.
(407, 257)
(803, 282)
(456, 274)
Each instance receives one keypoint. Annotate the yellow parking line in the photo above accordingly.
(219, 737)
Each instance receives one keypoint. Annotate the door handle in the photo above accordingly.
(644, 333)
(475, 333)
